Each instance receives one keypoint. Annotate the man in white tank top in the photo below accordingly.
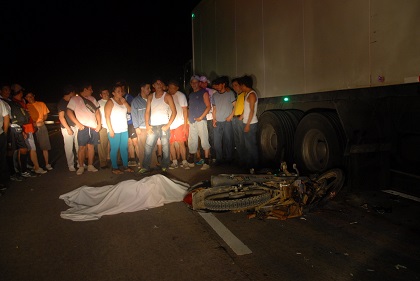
(160, 113)
(250, 121)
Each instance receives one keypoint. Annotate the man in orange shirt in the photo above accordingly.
(39, 112)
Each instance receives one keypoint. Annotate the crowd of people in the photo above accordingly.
(161, 126)
(22, 132)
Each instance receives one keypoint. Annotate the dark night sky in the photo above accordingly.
(45, 46)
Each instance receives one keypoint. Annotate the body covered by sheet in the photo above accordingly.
(91, 203)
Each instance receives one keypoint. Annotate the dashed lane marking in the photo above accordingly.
(407, 196)
(230, 239)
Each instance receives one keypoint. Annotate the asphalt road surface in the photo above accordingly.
(362, 235)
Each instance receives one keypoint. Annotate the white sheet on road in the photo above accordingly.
(91, 203)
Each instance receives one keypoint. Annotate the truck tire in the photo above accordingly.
(223, 202)
(275, 137)
(319, 142)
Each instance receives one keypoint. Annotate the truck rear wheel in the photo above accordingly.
(275, 136)
(319, 142)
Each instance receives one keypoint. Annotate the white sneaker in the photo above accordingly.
(173, 166)
(191, 165)
(205, 166)
(48, 167)
(40, 171)
(80, 171)
(185, 165)
(92, 168)
(72, 169)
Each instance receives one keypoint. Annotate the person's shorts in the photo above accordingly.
(178, 134)
(30, 141)
(16, 139)
(43, 138)
(131, 131)
(87, 136)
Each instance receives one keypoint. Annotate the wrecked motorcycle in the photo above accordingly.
(279, 196)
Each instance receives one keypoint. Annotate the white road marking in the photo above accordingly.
(393, 192)
(231, 240)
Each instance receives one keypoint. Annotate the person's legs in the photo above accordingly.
(4, 171)
(44, 144)
(68, 147)
(192, 142)
(30, 144)
(103, 147)
(115, 144)
(132, 145)
(165, 135)
(136, 147)
(182, 150)
(218, 145)
(228, 141)
(83, 137)
(141, 136)
(45, 153)
(204, 137)
(92, 142)
(238, 139)
(91, 153)
(210, 130)
(151, 140)
(123, 147)
(172, 151)
(81, 155)
(250, 139)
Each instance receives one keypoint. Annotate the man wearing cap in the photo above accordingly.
(22, 131)
(204, 83)
(199, 107)
(11, 142)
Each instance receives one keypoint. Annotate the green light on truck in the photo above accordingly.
(286, 99)
(193, 15)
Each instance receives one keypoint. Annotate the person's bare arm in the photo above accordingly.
(170, 101)
(6, 123)
(251, 99)
(108, 108)
(229, 118)
(70, 114)
(64, 123)
(207, 103)
(98, 120)
(147, 114)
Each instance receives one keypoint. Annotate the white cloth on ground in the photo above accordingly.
(91, 203)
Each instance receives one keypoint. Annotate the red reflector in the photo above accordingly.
(188, 199)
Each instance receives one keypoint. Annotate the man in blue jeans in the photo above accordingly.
(223, 110)
(160, 113)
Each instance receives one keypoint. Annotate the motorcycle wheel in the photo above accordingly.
(225, 202)
(328, 185)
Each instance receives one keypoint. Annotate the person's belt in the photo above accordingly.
(236, 115)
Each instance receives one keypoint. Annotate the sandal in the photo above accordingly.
(117, 171)
(128, 169)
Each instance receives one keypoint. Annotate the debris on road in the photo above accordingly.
(399, 266)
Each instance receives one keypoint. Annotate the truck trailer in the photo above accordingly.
(337, 80)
